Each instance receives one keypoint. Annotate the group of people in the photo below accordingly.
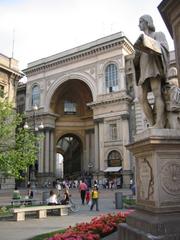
(91, 198)
(53, 198)
(17, 195)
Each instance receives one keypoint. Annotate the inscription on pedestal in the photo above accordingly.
(170, 178)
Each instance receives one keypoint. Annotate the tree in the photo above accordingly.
(18, 147)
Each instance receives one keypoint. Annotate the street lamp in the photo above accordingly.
(35, 129)
(90, 166)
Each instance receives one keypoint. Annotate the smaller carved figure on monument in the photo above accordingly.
(151, 62)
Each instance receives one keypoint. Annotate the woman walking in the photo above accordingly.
(95, 197)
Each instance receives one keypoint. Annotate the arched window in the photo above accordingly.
(35, 95)
(114, 159)
(111, 77)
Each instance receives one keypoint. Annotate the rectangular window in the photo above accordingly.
(1, 91)
(69, 107)
(113, 131)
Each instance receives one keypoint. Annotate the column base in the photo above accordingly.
(144, 226)
(45, 179)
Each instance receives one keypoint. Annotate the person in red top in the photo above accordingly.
(82, 189)
(87, 196)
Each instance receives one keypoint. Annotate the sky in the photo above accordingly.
(34, 29)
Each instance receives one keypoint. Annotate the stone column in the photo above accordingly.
(126, 154)
(91, 157)
(41, 156)
(125, 140)
(47, 165)
(157, 154)
(52, 155)
(122, 79)
(101, 145)
(87, 151)
(96, 162)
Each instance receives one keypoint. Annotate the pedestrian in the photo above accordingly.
(94, 197)
(66, 197)
(131, 183)
(30, 192)
(87, 196)
(58, 187)
(16, 194)
(82, 189)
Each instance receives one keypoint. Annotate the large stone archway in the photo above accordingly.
(73, 124)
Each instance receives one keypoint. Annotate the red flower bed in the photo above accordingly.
(97, 228)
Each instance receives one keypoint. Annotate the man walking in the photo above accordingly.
(82, 189)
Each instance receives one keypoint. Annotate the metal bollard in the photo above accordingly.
(118, 200)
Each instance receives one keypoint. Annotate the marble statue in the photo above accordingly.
(151, 64)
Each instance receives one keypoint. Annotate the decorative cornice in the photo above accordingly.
(80, 53)
(16, 74)
(109, 98)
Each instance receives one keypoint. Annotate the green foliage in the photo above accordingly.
(129, 201)
(47, 235)
(18, 147)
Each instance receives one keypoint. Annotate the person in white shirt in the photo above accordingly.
(52, 200)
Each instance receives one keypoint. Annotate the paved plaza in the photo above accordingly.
(11, 230)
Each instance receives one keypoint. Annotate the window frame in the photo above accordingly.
(35, 97)
(111, 78)
(71, 107)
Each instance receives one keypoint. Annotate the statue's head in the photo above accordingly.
(149, 20)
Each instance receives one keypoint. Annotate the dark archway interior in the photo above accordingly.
(71, 147)
(75, 91)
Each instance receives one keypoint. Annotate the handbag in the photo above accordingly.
(90, 203)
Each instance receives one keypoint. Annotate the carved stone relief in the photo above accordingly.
(170, 178)
(146, 180)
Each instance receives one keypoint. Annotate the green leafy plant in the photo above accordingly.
(18, 148)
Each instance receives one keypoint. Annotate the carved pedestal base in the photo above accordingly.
(145, 226)
(157, 155)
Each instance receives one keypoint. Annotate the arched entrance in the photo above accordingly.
(73, 125)
(70, 148)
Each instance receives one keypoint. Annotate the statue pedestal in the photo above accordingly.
(157, 154)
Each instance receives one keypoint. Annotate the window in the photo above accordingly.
(111, 77)
(35, 95)
(69, 107)
(1, 91)
(114, 159)
(113, 131)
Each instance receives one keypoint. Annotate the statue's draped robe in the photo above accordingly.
(152, 65)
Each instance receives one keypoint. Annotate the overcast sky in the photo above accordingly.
(41, 28)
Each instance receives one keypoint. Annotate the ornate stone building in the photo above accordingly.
(9, 77)
(84, 98)
(87, 101)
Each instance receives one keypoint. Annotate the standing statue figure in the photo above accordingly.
(151, 63)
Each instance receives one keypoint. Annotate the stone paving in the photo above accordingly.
(11, 230)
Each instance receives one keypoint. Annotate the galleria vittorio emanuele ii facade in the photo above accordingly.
(87, 100)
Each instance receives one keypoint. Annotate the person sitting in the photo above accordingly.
(16, 194)
(52, 200)
(66, 196)
(30, 193)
